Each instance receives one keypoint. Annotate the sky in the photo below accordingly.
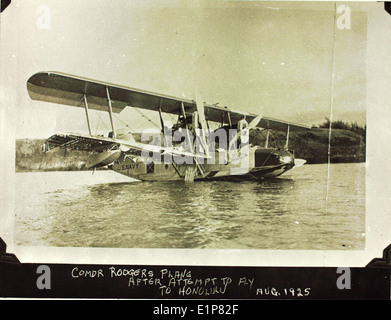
(269, 58)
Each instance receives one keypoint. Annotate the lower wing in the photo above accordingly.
(101, 144)
(79, 142)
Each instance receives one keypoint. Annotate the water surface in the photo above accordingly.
(306, 208)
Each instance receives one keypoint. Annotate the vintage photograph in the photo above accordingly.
(187, 125)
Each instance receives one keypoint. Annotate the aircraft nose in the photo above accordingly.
(287, 159)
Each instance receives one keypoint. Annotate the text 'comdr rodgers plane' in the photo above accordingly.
(187, 150)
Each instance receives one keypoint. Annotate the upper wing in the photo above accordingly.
(67, 89)
(214, 113)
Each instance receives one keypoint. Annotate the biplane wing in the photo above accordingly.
(70, 90)
(80, 142)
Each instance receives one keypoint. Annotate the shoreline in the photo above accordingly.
(313, 146)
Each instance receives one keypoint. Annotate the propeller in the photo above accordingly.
(202, 120)
(201, 111)
(254, 122)
(252, 125)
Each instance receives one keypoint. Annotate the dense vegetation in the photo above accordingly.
(313, 146)
(339, 124)
(347, 144)
(30, 157)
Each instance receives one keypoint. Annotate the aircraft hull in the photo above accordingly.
(256, 174)
(263, 163)
(103, 158)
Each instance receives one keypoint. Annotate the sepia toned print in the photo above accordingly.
(214, 125)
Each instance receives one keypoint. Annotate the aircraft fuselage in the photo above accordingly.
(260, 163)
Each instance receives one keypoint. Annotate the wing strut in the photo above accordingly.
(88, 119)
(162, 123)
(267, 138)
(287, 137)
(188, 136)
(110, 112)
(229, 120)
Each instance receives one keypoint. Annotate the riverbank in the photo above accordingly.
(345, 147)
(29, 157)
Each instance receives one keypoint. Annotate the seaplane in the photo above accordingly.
(207, 142)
